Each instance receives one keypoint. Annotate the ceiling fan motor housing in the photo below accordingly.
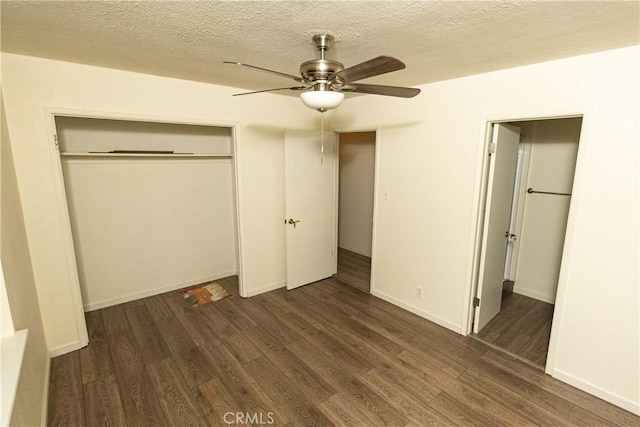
(319, 69)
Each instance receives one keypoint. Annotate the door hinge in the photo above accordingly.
(55, 139)
(476, 302)
(492, 148)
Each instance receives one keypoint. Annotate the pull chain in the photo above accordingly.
(321, 137)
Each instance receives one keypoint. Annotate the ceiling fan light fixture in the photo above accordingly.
(322, 100)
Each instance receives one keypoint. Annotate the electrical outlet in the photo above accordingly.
(418, 292)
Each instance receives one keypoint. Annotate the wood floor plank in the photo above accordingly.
(139, 400)
(354, 269)
(190, 360)
(273, 307)
(473, 400)
(340, 378)
(286, 394)
(296, 304)
(216, 401)
(243, 388)
(266, 320)
(535, 350)
(236, 341)
(583, 418)
(102, 404)
(459, 413)
(191, 318)
(314, 387)
(231, 284)
(388, 367)
(412, 402)
(514, 307)
(177, 400)
(95, 360)
(158, 309)
(66, 403)
(115, 320)
(522, 327)
(353, 333)
(330, 286)
(236, 316)
(343, 412)
(511, 400)
(332, 347)
(151, 345)
(437, 354)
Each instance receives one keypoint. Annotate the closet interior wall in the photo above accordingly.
(550, 151)
(151, 205)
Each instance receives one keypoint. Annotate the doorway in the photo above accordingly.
(527, 198)
(355, 208)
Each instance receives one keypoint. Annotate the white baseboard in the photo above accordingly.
(535, 295)
(262, 290)
(631, 406)
(418, 311)
(66, 348)
(96, 305)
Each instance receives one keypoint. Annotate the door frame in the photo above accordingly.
(376, 179)
(477, 220)
(63, 207)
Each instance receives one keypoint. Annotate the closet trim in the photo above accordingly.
(63, 209)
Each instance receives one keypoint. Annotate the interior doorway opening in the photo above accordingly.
(355, 208)
(529, 181)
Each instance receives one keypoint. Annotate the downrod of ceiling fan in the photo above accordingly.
(323, 43)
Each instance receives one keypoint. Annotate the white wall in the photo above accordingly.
(552, 151)
(357, 173)
(430, 153)
(31, 85)
(143, 226)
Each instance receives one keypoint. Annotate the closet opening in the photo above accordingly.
(527, 195)
(152, 205)
(355, 207)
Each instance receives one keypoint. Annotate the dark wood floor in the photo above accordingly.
(322, 354)
(354, 269)
(522, 327)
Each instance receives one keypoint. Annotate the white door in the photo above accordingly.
(502, 170)
(310, 206)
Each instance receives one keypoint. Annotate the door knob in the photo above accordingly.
(510, 235)
(293, 222)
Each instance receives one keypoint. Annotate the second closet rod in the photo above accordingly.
(531, 191)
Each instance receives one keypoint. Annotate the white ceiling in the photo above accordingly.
(436, 39)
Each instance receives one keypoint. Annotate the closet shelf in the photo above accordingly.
(171, 155)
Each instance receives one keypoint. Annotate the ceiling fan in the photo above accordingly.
(322, 82)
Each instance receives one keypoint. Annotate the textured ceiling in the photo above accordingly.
(436, 39)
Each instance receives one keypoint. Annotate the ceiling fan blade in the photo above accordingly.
(370, 68)
(272, 90)
(277, 73)
(402, 92)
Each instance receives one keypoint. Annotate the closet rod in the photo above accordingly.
(531, 191)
